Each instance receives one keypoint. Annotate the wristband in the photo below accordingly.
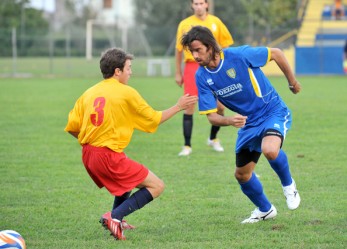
(292, 86)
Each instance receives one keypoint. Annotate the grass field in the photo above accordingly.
(47, 196)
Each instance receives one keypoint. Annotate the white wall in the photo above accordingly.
(121, 13)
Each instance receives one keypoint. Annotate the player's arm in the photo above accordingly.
(178, 75)
(237, 120)
(278, 56)
(225, 39)
(183, 103)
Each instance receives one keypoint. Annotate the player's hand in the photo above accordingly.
(295, 87)
(179, 79)
(238, 120)
(186, 101)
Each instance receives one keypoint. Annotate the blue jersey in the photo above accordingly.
(239, 84)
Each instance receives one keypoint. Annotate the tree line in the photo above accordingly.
(252, 22)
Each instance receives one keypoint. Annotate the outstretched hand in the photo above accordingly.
(186, 101)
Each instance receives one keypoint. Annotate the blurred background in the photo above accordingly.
(52, 37)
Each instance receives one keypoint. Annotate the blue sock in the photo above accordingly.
(281, 167)
(254, 191)
(136, 201)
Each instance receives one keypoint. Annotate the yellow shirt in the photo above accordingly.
(107, 114)
(219, 31)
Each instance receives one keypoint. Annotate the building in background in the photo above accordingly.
(107, 12)
(113, 12)
(112, 16)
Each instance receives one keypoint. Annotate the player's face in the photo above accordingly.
(199, 7)
(201, 53)
(124, 75)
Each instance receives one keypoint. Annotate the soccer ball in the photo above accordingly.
(11, 239)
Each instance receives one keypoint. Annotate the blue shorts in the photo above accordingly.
(251, 135)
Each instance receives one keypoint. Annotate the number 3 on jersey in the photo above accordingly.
(98, 117)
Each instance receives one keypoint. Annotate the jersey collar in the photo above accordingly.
(221, 62)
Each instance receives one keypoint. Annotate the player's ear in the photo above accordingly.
(117, 71)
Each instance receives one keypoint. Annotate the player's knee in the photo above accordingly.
(242, 177)
(159, 188)
(270, 154)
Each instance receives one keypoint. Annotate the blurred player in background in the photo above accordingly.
(233, 76)
(345, 58)
(187, 78)
(103, 120)
(338, 10)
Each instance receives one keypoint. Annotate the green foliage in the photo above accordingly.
(260, 18)
(271, 12)
(252, 22)
(28, 22)
(48, 197)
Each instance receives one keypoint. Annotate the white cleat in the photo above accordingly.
(292, 196)
(257, 215)
(186, 151)
(215, 144)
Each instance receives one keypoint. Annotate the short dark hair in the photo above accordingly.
(202, 34)
(111, 59)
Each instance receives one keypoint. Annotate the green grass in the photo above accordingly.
(48, 197)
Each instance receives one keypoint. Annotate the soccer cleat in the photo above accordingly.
(127, 226)
(186, 151)
(113, 225)
(257, 215)
(215, 143)
(292, 196)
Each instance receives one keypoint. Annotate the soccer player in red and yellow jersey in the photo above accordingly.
(187, 78)
(103, 120)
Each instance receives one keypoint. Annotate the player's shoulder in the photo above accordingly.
(199, 71)
(214, 17)
(235, 50)
(187, 20)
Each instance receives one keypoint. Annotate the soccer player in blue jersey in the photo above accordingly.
(233, 76)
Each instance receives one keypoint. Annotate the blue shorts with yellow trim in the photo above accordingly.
(250, 136)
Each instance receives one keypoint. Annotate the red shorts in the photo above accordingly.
(189, 84)
(112, 170)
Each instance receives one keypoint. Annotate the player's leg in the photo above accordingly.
(149, 189)
(188, 125)
(271, 148)
(251, 186)
(249, 183)
(191, 89)
(120, 199)
(213, 141)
